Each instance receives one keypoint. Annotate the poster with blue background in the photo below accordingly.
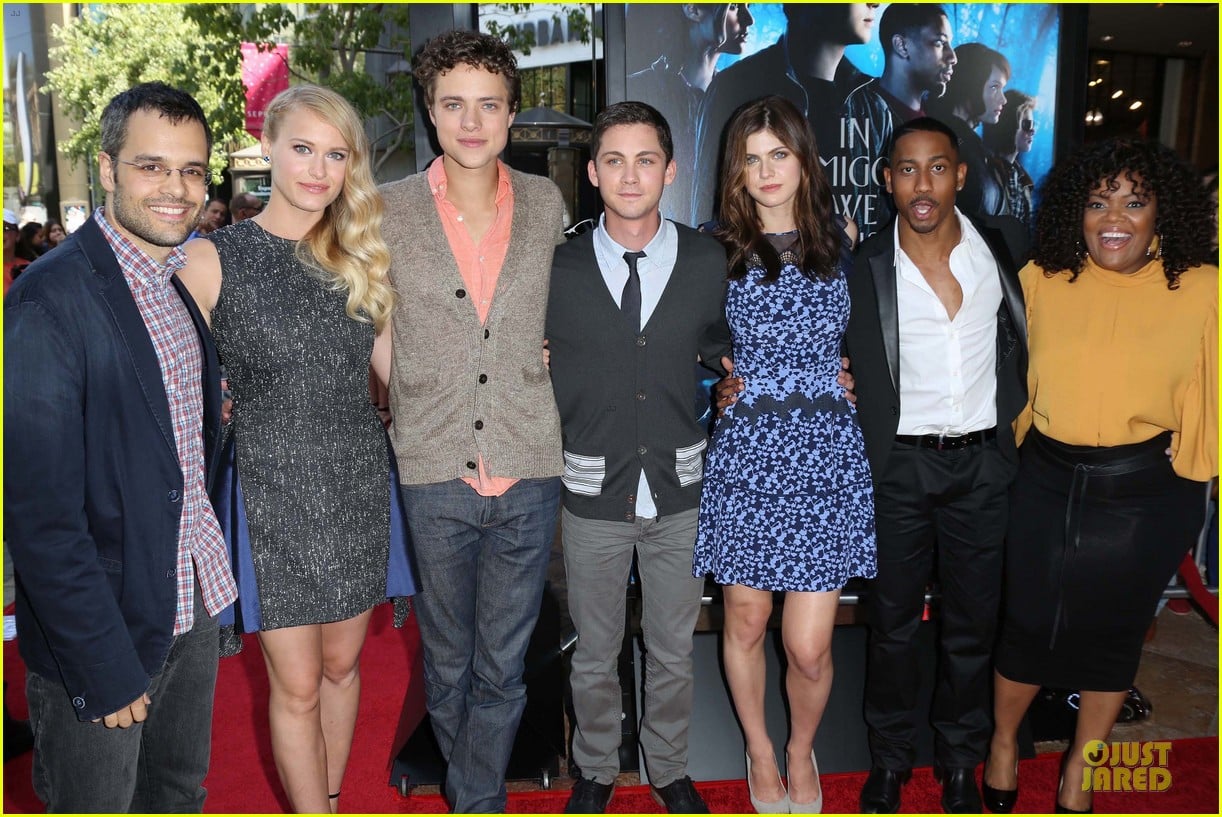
(856, 69)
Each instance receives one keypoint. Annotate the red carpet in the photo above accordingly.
(243, 779)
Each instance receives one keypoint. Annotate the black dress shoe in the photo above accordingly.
(959, 792)
(680, 797)
(589, 797)
(881, 793)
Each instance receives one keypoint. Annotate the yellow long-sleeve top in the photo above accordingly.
(1118, 359)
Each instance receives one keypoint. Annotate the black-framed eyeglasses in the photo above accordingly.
(154, 172)
(1027, 125)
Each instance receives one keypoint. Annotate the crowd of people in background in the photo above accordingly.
(1028, 418)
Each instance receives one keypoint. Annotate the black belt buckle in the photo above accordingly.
(944, 442)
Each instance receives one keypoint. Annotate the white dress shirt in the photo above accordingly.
(654, 270)
(948, 368)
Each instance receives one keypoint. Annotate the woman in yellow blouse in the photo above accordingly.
(1119, 439)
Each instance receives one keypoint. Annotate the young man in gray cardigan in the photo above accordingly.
(475, 430)
(633, 304)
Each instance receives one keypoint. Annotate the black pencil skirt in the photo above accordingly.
(1095, 535)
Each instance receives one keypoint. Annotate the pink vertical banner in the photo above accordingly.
(264, 74)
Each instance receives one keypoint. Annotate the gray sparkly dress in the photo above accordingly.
(309, 447)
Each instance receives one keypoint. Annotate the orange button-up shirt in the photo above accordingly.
(479, 264)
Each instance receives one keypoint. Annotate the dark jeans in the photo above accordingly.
(482, 562)
(157, 766)
(952, 504)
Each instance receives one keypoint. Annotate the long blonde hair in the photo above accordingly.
(346, 245)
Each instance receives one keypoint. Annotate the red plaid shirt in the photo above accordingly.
(201, 545)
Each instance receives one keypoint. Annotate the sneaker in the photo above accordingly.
(680, 797)
(589, 797)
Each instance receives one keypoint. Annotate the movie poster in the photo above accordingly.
(856, 70)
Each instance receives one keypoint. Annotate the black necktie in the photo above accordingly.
(630, 300)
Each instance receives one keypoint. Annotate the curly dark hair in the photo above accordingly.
(1182, 215)
(459, 46)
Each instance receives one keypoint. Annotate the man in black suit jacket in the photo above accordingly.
(937, 340)
(111, 416)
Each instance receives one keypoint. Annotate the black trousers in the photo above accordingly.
(946, 509)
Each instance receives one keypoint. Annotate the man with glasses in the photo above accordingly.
(112, 414)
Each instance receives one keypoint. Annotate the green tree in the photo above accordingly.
(113, 47)
(330, 45)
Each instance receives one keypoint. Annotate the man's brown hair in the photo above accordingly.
(459, 47)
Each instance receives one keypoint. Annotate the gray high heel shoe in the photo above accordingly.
(776, 807)
(815, 806)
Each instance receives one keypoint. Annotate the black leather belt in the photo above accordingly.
(940, 442)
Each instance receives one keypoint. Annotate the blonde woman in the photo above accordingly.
(299, 303)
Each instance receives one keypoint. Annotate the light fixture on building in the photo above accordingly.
(1185, 43)
(1136, 104)
(1119, 92)
(1106, 38)
(1103, 62)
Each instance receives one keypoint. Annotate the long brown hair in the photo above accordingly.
(741, 230)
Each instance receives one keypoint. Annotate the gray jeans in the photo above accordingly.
(157, 766)
(597, 559)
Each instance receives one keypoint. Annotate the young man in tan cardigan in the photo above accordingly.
(475, 430)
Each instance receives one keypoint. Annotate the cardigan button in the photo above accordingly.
(471, 465)
(640, 341)
(640, 395)
(485, 334)
(483, 378)
(642, 450)
(460, 293)
(479, 425)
